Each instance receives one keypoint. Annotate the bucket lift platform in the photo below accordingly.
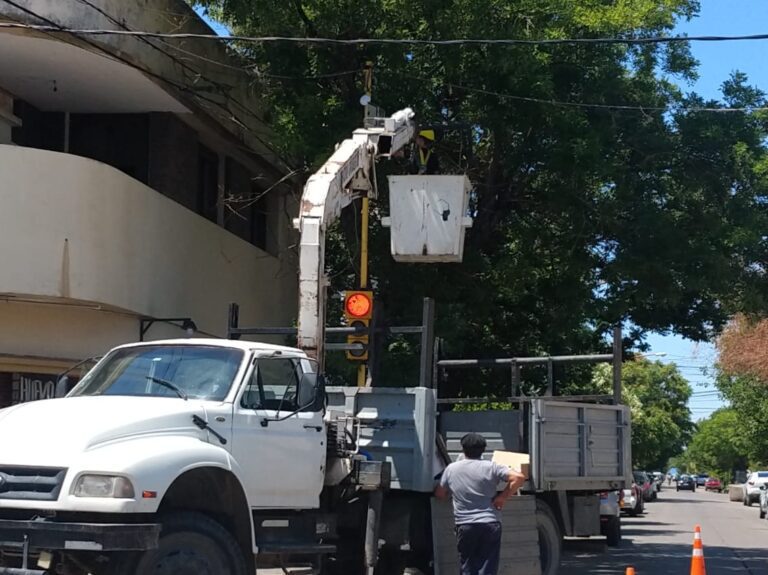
(428, 218)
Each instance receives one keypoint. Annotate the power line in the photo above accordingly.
(502, 96)
(310, 77)
(587, 105)
(396, 41)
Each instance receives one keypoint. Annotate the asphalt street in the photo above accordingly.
(660, 542)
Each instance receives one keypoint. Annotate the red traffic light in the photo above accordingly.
(358, 304)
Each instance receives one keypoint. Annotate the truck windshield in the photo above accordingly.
(199, 372)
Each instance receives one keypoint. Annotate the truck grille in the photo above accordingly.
(31, 483)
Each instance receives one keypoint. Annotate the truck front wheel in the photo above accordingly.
(190, 544)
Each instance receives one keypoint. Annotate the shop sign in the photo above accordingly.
(32, 387)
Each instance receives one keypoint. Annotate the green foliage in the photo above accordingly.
(657, 395)
(719, 446)
(583, 217)
(748, 398)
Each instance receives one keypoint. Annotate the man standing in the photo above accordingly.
(477, 505)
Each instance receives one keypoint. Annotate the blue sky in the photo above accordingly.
(716, 62)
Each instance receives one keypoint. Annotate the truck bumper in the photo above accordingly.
(27, 538)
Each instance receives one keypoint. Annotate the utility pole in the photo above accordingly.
(362, 369)
(617, 360)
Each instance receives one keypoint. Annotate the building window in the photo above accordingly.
(6, 389)
(118, 140)
(208, 184)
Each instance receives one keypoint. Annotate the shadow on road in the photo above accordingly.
(669, 559)
(629, 532)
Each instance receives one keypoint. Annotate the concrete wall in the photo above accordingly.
(73, 230)
(195, 81)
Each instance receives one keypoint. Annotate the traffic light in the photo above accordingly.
(358, 310)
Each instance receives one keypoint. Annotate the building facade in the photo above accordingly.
(137, 180)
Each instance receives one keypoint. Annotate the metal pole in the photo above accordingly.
(233, 321)
(362, 369)
(427, 342)
(542, 360)
(550, 378)
(515, 379)
(435, 369)
(617, 358)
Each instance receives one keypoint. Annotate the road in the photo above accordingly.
(660, 542)
(735, 539)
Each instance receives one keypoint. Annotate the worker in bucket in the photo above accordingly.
(424, 159)
(477, 505)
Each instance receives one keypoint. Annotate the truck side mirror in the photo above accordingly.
(62, 386)
(311, 392)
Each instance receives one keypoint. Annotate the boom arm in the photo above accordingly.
(347, 175)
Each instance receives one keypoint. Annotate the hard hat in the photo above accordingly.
(428, 134)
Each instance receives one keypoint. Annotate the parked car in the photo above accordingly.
(658, 479)
(686, 482)
(752, 486)
(701, 479)
(763, 500)
(632, 501)
(713, 484)
(645, 484)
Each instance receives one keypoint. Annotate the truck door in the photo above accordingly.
(283, 461)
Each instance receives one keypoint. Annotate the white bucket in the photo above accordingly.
(428, 218)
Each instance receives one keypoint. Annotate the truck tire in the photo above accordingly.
(550, 539)
(613, 532)
(191, 544)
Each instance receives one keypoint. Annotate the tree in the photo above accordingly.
(657, 395)
(718, 447)
(748, 398)
(742, 378)
(584, 215)
(743, 348)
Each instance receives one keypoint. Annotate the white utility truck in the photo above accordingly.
(204, 456)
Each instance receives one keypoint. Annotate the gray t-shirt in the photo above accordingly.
(473, 483)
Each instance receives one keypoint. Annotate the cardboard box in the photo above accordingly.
(516, 461)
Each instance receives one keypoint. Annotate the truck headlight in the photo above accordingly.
(104, 486)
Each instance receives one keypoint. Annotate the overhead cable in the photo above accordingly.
(500, 95)
(629, 40)
(589, 105)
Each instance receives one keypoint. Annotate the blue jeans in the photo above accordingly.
(479, 545)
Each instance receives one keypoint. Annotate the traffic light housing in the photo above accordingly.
(358, 310)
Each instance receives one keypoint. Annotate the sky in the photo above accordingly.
(717, 60)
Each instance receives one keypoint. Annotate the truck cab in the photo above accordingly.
(178, 430)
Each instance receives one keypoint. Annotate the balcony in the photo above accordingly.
(74, 230)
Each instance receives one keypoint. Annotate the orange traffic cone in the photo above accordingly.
(697, 558)
(630, 571)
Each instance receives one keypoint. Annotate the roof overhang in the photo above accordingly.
(55, 76)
